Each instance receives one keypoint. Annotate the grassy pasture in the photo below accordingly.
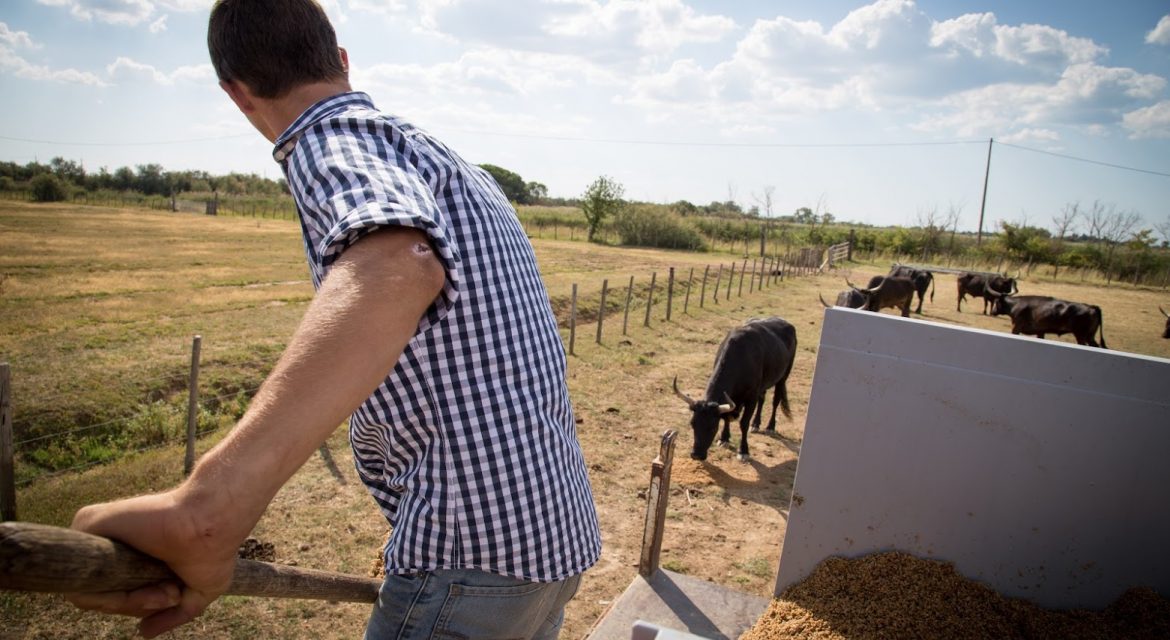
(97, 310)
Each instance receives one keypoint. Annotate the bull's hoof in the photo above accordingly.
(725, 443)
(743, 457)
(755, 429)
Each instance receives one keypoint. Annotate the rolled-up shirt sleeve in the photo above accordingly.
(355, 182)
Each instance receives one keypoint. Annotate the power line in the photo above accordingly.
(128, 144)
(694, 143)
(1097, 162)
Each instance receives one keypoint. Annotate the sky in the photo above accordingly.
(881, 112)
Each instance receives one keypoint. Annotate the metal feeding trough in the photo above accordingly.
(1036, 467)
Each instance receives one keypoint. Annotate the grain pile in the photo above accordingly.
(896, 595)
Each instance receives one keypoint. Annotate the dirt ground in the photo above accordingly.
(726, 518)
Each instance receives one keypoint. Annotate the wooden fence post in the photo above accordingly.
(730, 281)
(7, 454)
(192, 405)
(601, 309)
(752, 280)
(703, 290)
(656, 500)
(629, 296)
(573, 320)
(718, 279)
(669, 293)
(650, 299)
(741, 272)
(691, 279)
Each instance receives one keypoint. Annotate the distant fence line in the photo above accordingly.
(757, 275)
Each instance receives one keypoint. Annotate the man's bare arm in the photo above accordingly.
(352, 334)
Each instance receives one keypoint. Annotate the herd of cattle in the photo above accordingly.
(758, 355)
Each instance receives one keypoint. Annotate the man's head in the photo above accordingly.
(273, 46)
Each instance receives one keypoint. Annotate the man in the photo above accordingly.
(431, 330)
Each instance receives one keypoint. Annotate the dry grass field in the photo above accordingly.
(98, 305)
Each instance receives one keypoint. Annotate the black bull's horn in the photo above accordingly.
(826, 304)
(723, 408)
(1164, 312)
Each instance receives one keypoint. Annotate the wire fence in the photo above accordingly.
(716, 283)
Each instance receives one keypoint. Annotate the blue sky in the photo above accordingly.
(876, 112)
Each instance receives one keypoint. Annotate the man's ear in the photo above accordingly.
(344, 60)
(239, 95)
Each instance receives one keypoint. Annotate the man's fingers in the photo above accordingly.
(138, 603)
(191, 605)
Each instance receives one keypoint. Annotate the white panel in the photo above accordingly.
(1041, 468)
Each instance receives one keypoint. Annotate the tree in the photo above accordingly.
(513, 186)
(537, 192)
(47, 187)
(602, 199)
(1063, 223)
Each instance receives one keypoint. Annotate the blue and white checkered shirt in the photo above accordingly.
(469, 447)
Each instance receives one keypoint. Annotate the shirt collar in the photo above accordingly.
(320, 110)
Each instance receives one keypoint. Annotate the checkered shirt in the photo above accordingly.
(469, 447)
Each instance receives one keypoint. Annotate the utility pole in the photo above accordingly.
(983, 205)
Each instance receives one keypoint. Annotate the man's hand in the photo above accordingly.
(166, 527)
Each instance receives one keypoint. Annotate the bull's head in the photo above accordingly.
(999, 301)
(860, 298)
(1166, 333)
(705, 417)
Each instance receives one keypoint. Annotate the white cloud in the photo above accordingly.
(158, 26)
(128, 71)
(1029, 135)
(1161, 33)
(1030, 45)
(1149, 122)
(21, 68)
(121, 12)
(616, 31)
(17, 39)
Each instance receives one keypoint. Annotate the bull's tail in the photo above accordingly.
(1100, 324)
(782, 391)
(932, 288)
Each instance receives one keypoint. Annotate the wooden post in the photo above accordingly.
(741, 272)
(669, 293)
(718, 279)
(730, 281)
(650, 299)
(192, 405)
(629, 296)
(691, 279)
(703, 290)
(752, 280)
(656, 500)
(7, 453)
(573, 320)
(601, 308)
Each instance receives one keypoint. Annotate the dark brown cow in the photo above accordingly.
(753, 357)
(1040, 315)
(921, 278)
(847, 298)
(890, 292)
(977, 285)
(1166, 333)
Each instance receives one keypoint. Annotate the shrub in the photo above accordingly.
(644, 226)
(47, 187)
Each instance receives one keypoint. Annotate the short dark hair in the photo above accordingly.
(273, 46)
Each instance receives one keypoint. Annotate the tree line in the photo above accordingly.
(1095, 236)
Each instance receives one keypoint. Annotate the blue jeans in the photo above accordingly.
(467, 603)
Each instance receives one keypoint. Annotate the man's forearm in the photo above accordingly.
(353, 333)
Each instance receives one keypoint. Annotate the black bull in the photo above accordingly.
(1166, 333)
(886, 291)
(752, 358)
(1040, 315)
(921, 278)
(978, 285)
